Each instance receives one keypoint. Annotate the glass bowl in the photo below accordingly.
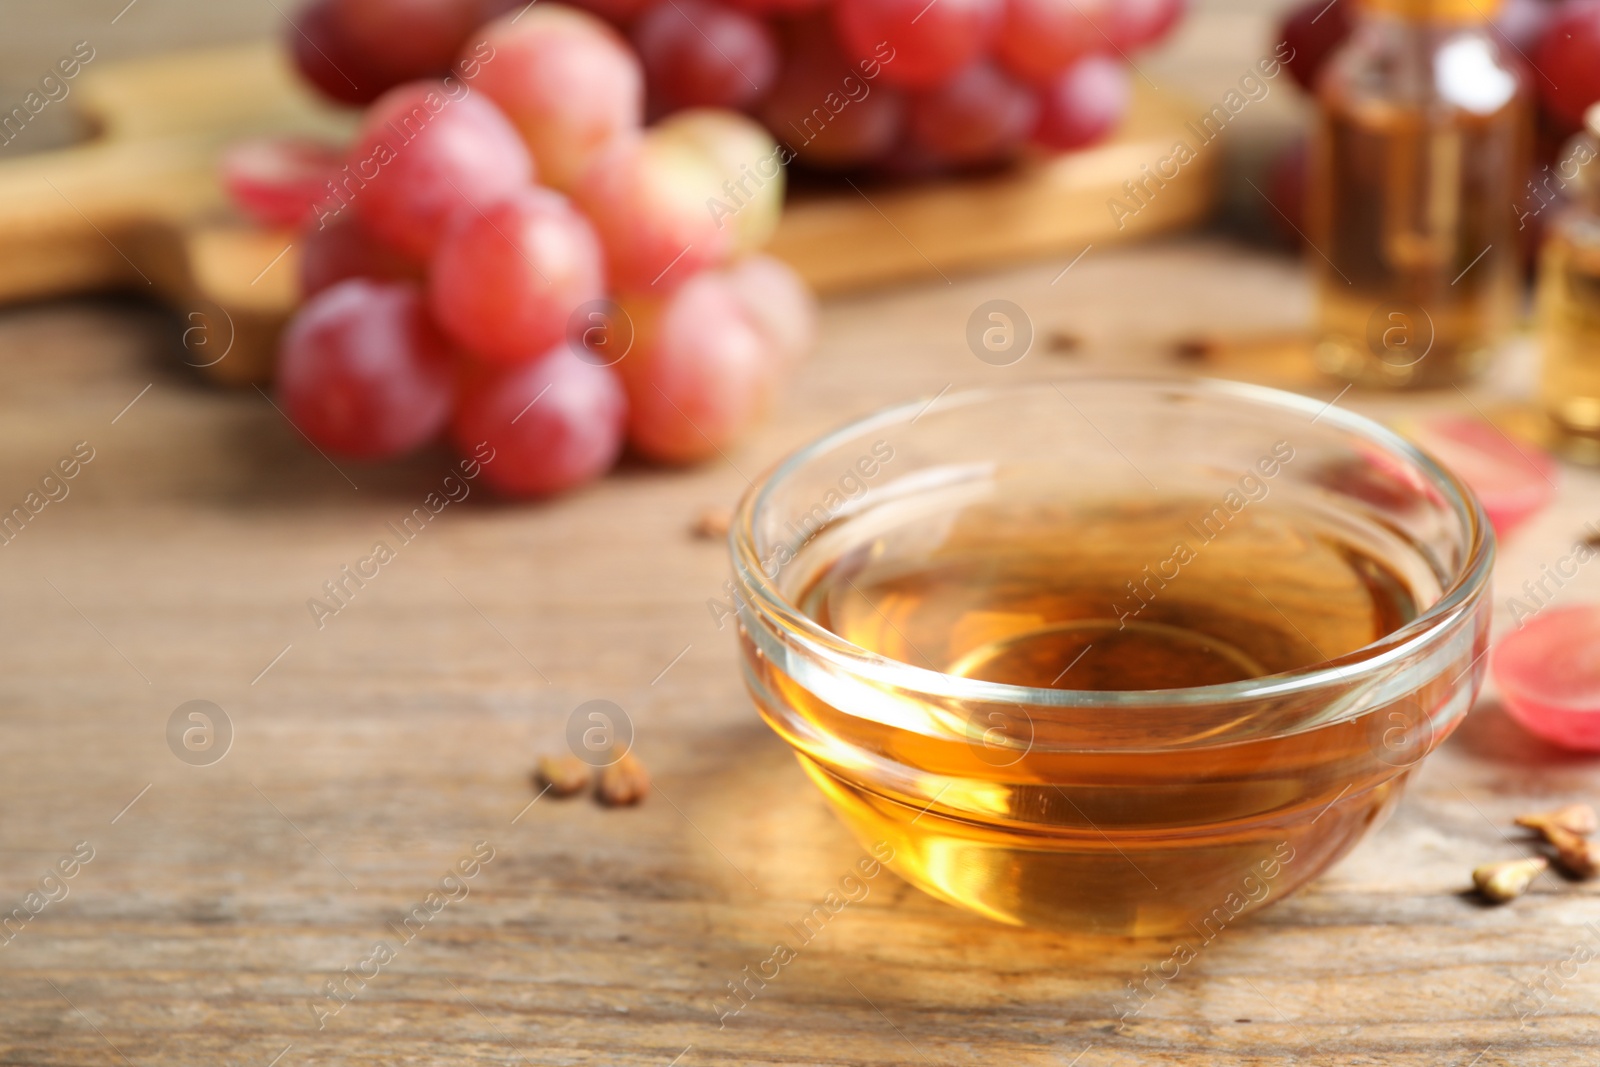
(1113, 656)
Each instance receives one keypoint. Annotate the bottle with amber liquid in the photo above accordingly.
(1423, 141)
(1569, 302)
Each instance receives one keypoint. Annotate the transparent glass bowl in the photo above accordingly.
(1128, 810)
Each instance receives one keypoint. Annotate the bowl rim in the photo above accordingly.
(1470, 581)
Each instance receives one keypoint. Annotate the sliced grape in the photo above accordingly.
(424, 151)
(700, 54)
(342, 250)
(507, 277)
(651, 199)
(544, 427)
(979, 116)
(569, 83)
(276, 181)
(701, 375)
(1514, 480)
(1083, 104)
(1548, 672)
(362, 371)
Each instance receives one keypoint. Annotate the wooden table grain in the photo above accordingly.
(376, 757)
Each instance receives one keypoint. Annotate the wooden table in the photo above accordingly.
(370, 756)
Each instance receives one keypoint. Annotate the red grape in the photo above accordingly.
(1314, 30)
(506, 277)
(553, 424)
(979, 116)
(621, 12)
(276, 180)
(1040, 37)
(421, 154)
(919, 44)
(777, 302)
(1549, 675)
(701, 54)
(750, 198)
(335, 65)
(341, 250)
(1568, 59)
(1082, 104)
(568, 82)
(408, 38)
(1140, 23)
(700, 376)
(648, 198)
(766, 8)
(829, 113)
(362, 371)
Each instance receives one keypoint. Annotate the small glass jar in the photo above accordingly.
(1038, 686)
(1423, 140)
(1569, 299)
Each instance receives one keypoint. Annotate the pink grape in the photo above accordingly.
(1083, 104)
(336, 66)
(700, 375)
(1567, 57)
(1137, 24)
(828, 111)
(979, 116)
(552, 424)
(648, 198)
(506, 278)
(619, 12)
(700, 54)
(920, 44)
(420, 155)
(749, 162)
(569, 83)
(277, 180)
(777, 303)
(1549, 675)
(408, 38)
(1039, 38)
(342, 250)
(1513, 480)
(362, 371)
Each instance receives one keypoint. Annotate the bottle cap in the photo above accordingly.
(1441, 10)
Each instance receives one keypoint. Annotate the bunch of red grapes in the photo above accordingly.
(506, 255)
(900, 85)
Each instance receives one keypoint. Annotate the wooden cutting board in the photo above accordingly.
(138, 205)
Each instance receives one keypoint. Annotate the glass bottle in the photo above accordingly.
(1569, 297)
(1423, 141)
